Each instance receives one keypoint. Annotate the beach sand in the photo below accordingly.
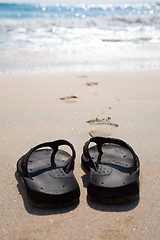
(36, 109)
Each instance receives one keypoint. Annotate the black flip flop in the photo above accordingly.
(113, 169)
(48, 175)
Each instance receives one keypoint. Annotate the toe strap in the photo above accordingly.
(99, 142)
(54, 145)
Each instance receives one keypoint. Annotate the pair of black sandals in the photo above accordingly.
(111, 165)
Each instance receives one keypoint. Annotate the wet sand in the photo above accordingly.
(35, 109)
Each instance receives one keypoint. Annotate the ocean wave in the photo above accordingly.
(112, 22)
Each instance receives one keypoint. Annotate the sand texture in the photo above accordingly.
(36, 109)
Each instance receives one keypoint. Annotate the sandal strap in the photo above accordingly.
(54, 145)
(100, 141)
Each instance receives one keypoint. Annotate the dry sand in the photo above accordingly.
(35, 109)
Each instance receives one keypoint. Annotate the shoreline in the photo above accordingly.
(40, 108)
(85, 72)
(82, 73)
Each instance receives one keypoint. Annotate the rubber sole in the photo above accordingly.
(110, 202)
(128, 193)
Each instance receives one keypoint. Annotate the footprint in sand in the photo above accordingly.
(102, 121)
(69, 99)
(102, 127)
(91, 83)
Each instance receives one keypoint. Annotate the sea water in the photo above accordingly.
(45, 38)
